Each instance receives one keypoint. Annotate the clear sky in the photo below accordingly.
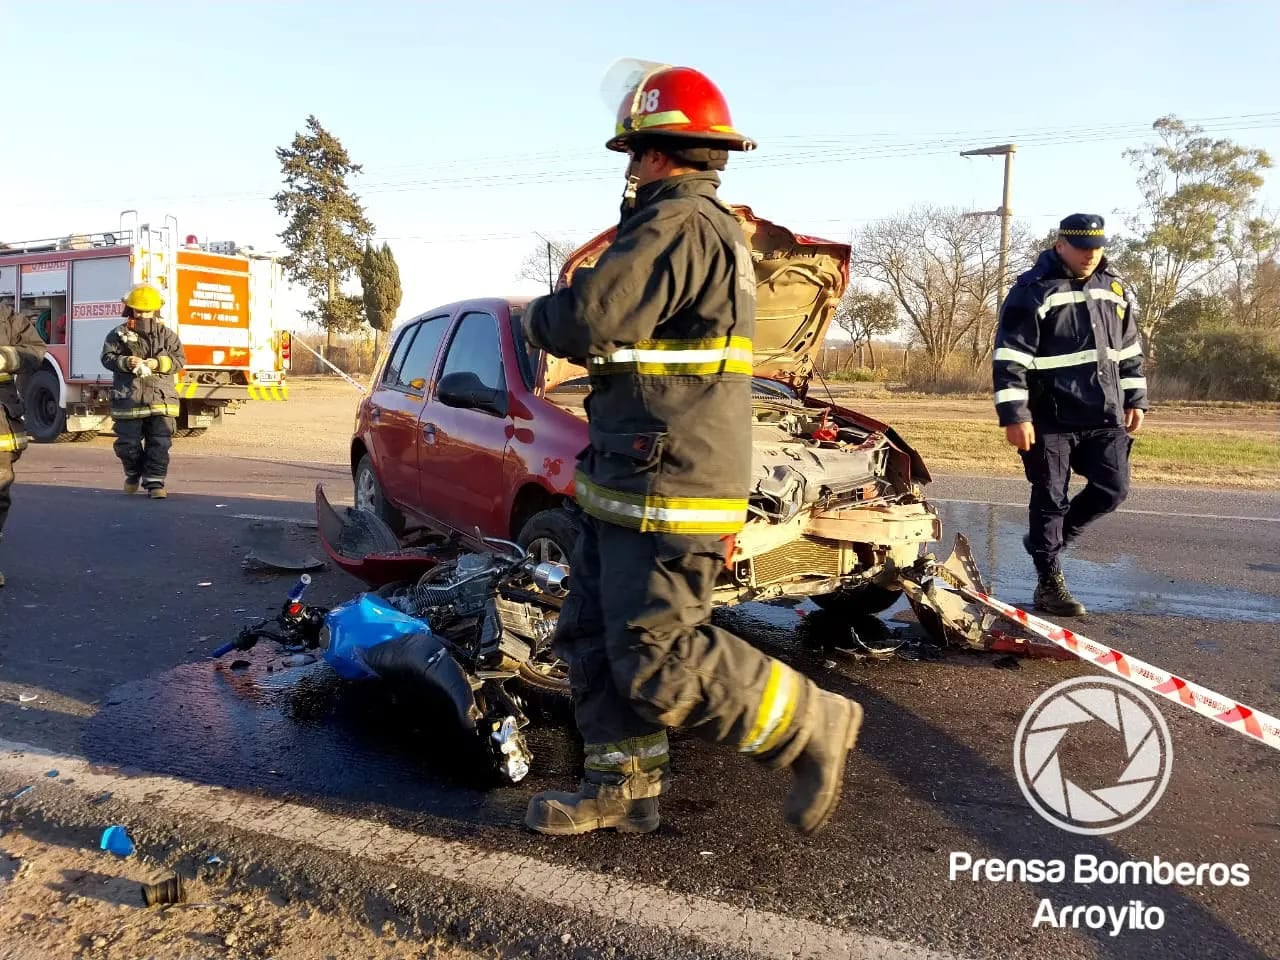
(481, 123)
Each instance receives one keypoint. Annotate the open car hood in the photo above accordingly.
(799, 282)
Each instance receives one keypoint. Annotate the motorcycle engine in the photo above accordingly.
(466, 589)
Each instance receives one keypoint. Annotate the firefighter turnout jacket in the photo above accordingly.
(663, 323)
(1067, 352)
(21, 351)
(133, 396)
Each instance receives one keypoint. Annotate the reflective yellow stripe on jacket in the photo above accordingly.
(13, 442)
(147, 410)
(655, 514)
(671, 358)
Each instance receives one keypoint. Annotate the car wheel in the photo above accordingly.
(550, 535)
(859, 601)
(368, 497)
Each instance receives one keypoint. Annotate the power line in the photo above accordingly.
(811, 152)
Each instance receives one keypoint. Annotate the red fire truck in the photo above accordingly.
(221, 300)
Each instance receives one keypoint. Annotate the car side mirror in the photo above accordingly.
(463, 389)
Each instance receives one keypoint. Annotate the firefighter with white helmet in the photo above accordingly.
(144, 357)
(21, 351)
(664, 322)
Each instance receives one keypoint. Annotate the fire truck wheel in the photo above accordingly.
(45, 419)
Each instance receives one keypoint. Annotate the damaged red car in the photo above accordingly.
(468, 431)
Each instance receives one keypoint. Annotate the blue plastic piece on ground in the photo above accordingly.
(52, 773)
(116, 840)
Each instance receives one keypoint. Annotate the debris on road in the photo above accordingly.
(28, 697)
(166, 891)
(22, 793)
(115, 839)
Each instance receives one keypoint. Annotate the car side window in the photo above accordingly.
(475, 348)
(391, 375)
(418, 360)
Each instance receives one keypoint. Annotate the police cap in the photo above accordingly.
(1084, 230)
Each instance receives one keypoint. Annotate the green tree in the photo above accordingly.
(325, 225)
(1197, 196)
(380, 278)
(865, 316)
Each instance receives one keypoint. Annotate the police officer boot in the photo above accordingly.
(1052, 596)
(619, 791)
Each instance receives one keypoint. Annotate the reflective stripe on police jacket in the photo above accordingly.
(1068, 352)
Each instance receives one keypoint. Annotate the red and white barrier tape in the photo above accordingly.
(1236, 716)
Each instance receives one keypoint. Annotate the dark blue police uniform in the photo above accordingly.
(1068, 359)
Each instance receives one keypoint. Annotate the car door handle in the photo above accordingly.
(375, 412)
(429, 432)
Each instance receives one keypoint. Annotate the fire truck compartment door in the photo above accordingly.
(96, 288)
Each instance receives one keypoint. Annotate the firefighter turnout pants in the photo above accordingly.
(142, 444)
(7, 460)
(1100, 456)
(12, 441)
(643, 656)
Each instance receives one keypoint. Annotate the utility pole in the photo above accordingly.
(1006, 150)
(551, 288)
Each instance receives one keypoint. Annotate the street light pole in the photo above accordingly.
(1006, 150)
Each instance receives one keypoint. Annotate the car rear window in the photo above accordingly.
(415, 354)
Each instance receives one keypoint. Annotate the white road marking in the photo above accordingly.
(1146, 513)
(603, 897)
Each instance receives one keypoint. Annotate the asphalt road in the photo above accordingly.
(113, 601)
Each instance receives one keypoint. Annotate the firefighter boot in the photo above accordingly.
(1052, 596)
(595, 806)
(157, 493)
(130, 485)
(817, 772)
(619, 791)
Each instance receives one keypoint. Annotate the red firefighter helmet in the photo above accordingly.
(676, 102)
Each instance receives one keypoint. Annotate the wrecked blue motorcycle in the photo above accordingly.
(469, 626)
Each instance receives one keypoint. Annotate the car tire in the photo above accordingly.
(860, 601)
(550, 535)
(368, 496)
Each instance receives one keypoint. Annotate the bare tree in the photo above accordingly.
(543, 263)
(942, 268)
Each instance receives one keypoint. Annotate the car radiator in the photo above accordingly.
(807, 555)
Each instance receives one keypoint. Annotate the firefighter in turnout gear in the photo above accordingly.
(1070, 393)
(664, 322)
(21, 351)
(144, 357)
